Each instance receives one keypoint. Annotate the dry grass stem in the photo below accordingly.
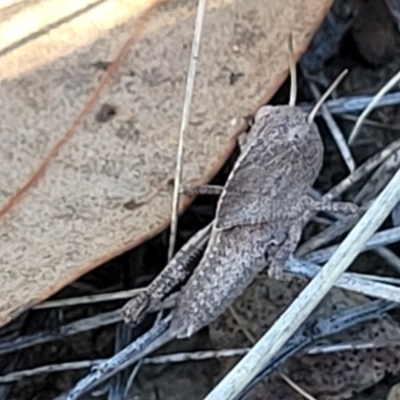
(293, 75)
(382, 238)
(335, 131)
(90, 299)
(185, 122)
(358, 283)
(348, 104)
(321, 101)
(389, 85)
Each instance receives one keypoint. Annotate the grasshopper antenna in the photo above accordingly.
(330, 89)
(293, 76)
(372, 105)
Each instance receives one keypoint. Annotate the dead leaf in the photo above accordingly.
(75, 217)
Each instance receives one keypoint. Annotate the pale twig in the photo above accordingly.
(194, 190)
(250, 337)
(293, 75)
(185, 122)
(138, 365)
(16, 362)
(335, 131)
(326, 236)
(372, 105)
(187, 356)
(192, 356)
(63, 331)
(351, 346)
(396, 215)
(156, 360)
(355, 103)
(296, 387)
(195, 356)
(354, 282)
(123, 336)
(362, 170)
(390, 257)
(132, 377)
(322, 220)
(379, 278)
(295, 315)
(379, 239)
(48, 369)
(379, 178)
(370, 122)
(331, 88)
(90, 299)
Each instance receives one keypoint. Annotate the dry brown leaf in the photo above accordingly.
(106, 191)
(333, 376)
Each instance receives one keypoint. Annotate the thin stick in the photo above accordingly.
(362, 170)
(331, 88)
(354, 282)
(370, 122)
(268, 346)
(72, 328)
(335, 131)
(371, 106)
(250, 337)
(382, 238)
(131, 378)
(351, 346)
(391, 258)
(355, 103)
(90, 299)
(293, 75)
(379, 178)
(184, 123)
(332, 232)
(193, 356)
(123, 336)
(296, 387)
